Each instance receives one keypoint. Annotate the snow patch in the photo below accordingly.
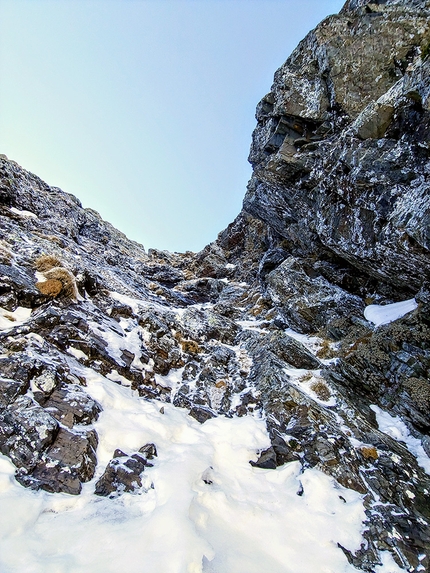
(134, 303)
(23, 213)
(116, 377)
(388, 564)
(308, 382)
(312, 343)
(78, 354)
(10, 319)
(394, 427)
(125, 335)
(252, 324)
(384, 314)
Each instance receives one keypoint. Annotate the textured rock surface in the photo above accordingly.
(123, 473)
(267, 320)
(341, 148)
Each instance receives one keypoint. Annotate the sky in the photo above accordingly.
(144, 109)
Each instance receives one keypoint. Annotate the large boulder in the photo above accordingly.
(26, 430)
(68, 462)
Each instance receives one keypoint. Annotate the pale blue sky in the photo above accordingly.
(144, 109)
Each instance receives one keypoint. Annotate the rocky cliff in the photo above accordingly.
(340, 152)
(269, 320)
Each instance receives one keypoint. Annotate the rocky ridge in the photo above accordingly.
(267, 320)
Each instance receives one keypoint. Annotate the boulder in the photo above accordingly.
(123, 473)
(68, 462)
(205, 324)
(70, 405)
(26, 430)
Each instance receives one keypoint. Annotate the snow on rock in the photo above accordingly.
(78, 354)
(181, 353)
(23, 213)
(312, 343)
(206, 509)
(383, 314)
(251, 325)
(10, 319)
(393, 426)
(311, 383)
(133, 303)
(388, 564)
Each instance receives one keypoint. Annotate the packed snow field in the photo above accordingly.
(202, 506)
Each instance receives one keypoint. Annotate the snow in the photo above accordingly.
(312, 343)
(10, 319)
(394, 427)
(115, 377)
(23, 213)
(304, 380)
(384, 314)
(252, 325)
(125, 335)
(134, 303)
(172, 380)
(79, 354)
(388, 564)
(138, 305)
(247, 519)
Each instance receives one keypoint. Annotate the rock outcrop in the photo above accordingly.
(341, 148)
(123, 473)
(269, 319)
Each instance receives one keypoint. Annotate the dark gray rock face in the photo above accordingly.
(26, 429)
(39, 400)
(70, 405)
(207, 324)
(282, 347)
(336, 217)
(123, 472)
(390, 367)
(70, 460)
